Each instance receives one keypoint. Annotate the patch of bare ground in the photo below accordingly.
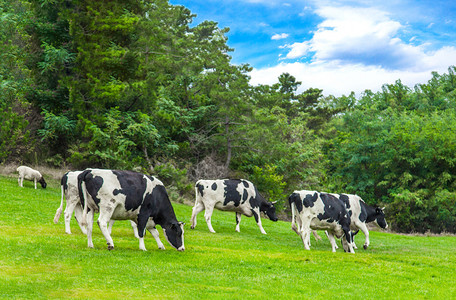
(47, 172)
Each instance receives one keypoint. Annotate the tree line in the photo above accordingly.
(135, 85)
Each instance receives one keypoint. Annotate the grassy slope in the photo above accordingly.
(38, 260)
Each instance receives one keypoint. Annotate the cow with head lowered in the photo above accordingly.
(315, 210)
(238, 195)
(361, 214)
(127, 195)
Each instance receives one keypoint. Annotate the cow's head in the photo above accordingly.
(174, 233)
(380, 218)
(269, 209)
(42, 182)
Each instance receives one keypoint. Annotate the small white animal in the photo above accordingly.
(30, 174)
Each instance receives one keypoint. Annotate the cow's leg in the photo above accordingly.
(256, 214)
(156, 236)
(142, 225)
(364, 229)
(199, 207)
(103, 220)
(78, 216)
(238, 221)
(347, 238)
(90, 216)
(19, 181)
(316, 236)
(110, 224)
(332, 244)
(332, 240)
(208, 216)
(34, 180)
(297, 228)
(305, 231)
(353, 239)
(135, 229)
(68, 212)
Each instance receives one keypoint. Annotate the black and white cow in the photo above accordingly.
(361, 213)
(70, 191)
(127, 195)
(238, 195)
(315, 210)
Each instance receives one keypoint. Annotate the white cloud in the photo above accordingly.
(339, 79)
(354, 49)
(280, 36)
(297, 50)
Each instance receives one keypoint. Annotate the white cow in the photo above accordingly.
(315, 210)
(361, 214)
(238, 195)
(30, 174)
(127, 195)
(70, 190)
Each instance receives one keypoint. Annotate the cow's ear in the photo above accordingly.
(274, 202)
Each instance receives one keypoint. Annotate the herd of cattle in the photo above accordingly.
(142, 199)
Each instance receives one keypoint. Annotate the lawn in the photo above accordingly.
(39, 261)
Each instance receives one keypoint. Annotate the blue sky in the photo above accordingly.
(338, 46)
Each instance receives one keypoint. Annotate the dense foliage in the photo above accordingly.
(135, 85)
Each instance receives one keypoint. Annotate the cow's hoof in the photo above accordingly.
(192, 227)
(110, 247)
(365, 247)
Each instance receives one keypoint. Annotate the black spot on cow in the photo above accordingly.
(214, 186)
(345, 200)
(200, 188)
(64, 181)
(363, 213)
(296, 199)
(333, 208)
(231, 193)
(246, 184)
(133, 186)
(93, 185)
(310, 200)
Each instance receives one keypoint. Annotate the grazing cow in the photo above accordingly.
(237, 195)
(30, 174)
(127, 195)
(361, 213)
(314, 210)
(70, 190)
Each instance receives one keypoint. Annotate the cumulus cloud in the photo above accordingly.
(354, 49)
(339, 79)
(298, 50)
(279, 36)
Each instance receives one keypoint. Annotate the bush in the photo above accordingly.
(421, 211)
(175, 180)
(270, 183)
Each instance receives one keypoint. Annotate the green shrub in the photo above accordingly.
(175, 180)
(270, 184)
(422, 211)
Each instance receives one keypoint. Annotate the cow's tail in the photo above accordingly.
(60, 209)
(84, 198)
(83, 195)
(291, 200)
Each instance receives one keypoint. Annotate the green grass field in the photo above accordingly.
(39, 261)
